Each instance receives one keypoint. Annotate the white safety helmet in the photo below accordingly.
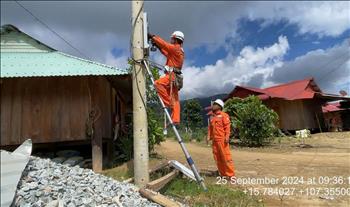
(219, 102)
(178, 35)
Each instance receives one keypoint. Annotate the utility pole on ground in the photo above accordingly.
(140, 131)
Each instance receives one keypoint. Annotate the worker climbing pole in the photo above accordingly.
(179, 139)
(169, 85)
(167, 89)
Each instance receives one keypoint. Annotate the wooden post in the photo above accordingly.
(110, 153)
(318, 122)
(97, 154)
(140, 131)
(96, 137)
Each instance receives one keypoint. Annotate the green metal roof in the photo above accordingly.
(24, 56)
(51, 64)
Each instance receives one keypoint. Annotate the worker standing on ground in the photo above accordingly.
(169, 85)
(219, 133)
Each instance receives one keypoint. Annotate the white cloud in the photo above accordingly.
(85, 24)
(330, 18)
(264, 67)
(98, 27)
(330, 68)
(251, 65)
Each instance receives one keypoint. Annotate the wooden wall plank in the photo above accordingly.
(6, 108)
(56, 107)
(53, 109)
(297, 114)
(16, 113)
(26, 113)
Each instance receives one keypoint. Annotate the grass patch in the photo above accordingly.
(197, 134)
(117, 174)
(217, 195)
(121, 172)
(126, 170)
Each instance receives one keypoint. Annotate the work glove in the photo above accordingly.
(150, 36)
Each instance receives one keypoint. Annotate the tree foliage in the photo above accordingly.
(192, 114)
(155, 129)
(256, 123)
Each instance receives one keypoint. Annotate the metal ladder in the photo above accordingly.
(189, 159)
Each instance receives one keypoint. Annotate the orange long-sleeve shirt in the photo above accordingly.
(173, 52)
(219, 127)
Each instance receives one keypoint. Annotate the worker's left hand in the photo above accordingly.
(150, 36)
(227, 140)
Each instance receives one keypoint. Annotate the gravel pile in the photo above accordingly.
(46, 183)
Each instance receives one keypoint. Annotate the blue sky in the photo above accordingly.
(256, 34)
(227, 43)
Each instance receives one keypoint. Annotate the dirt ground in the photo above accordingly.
(314, 176)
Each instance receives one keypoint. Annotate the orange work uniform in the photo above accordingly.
(170, 94)
(218, 132)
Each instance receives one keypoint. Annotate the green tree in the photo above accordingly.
(155, 129)
(256, 123)
(192, 114)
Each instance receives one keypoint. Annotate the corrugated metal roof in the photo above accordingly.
(12, 166)
(24, 56)
(290, 91)
(14, 39)
(295, 90)
(51, 64)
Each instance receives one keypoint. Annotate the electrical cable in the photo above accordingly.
(333, 70)
(136, 61)
(52, 30)
(133, 28)
(333, 60)
(138, 88)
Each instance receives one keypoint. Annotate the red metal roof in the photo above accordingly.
(332, 107)
(300, 89)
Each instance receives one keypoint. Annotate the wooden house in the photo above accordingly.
(337, 115)
(297, 103)
(53, 97)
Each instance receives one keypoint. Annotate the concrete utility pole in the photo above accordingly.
(140, 124)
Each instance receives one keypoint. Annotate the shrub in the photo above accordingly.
(198, 134)
(155, 130)
(255, 123)
(125, 145)
(192, 114)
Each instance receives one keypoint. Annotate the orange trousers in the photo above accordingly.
(222, 156)
(170, 96)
